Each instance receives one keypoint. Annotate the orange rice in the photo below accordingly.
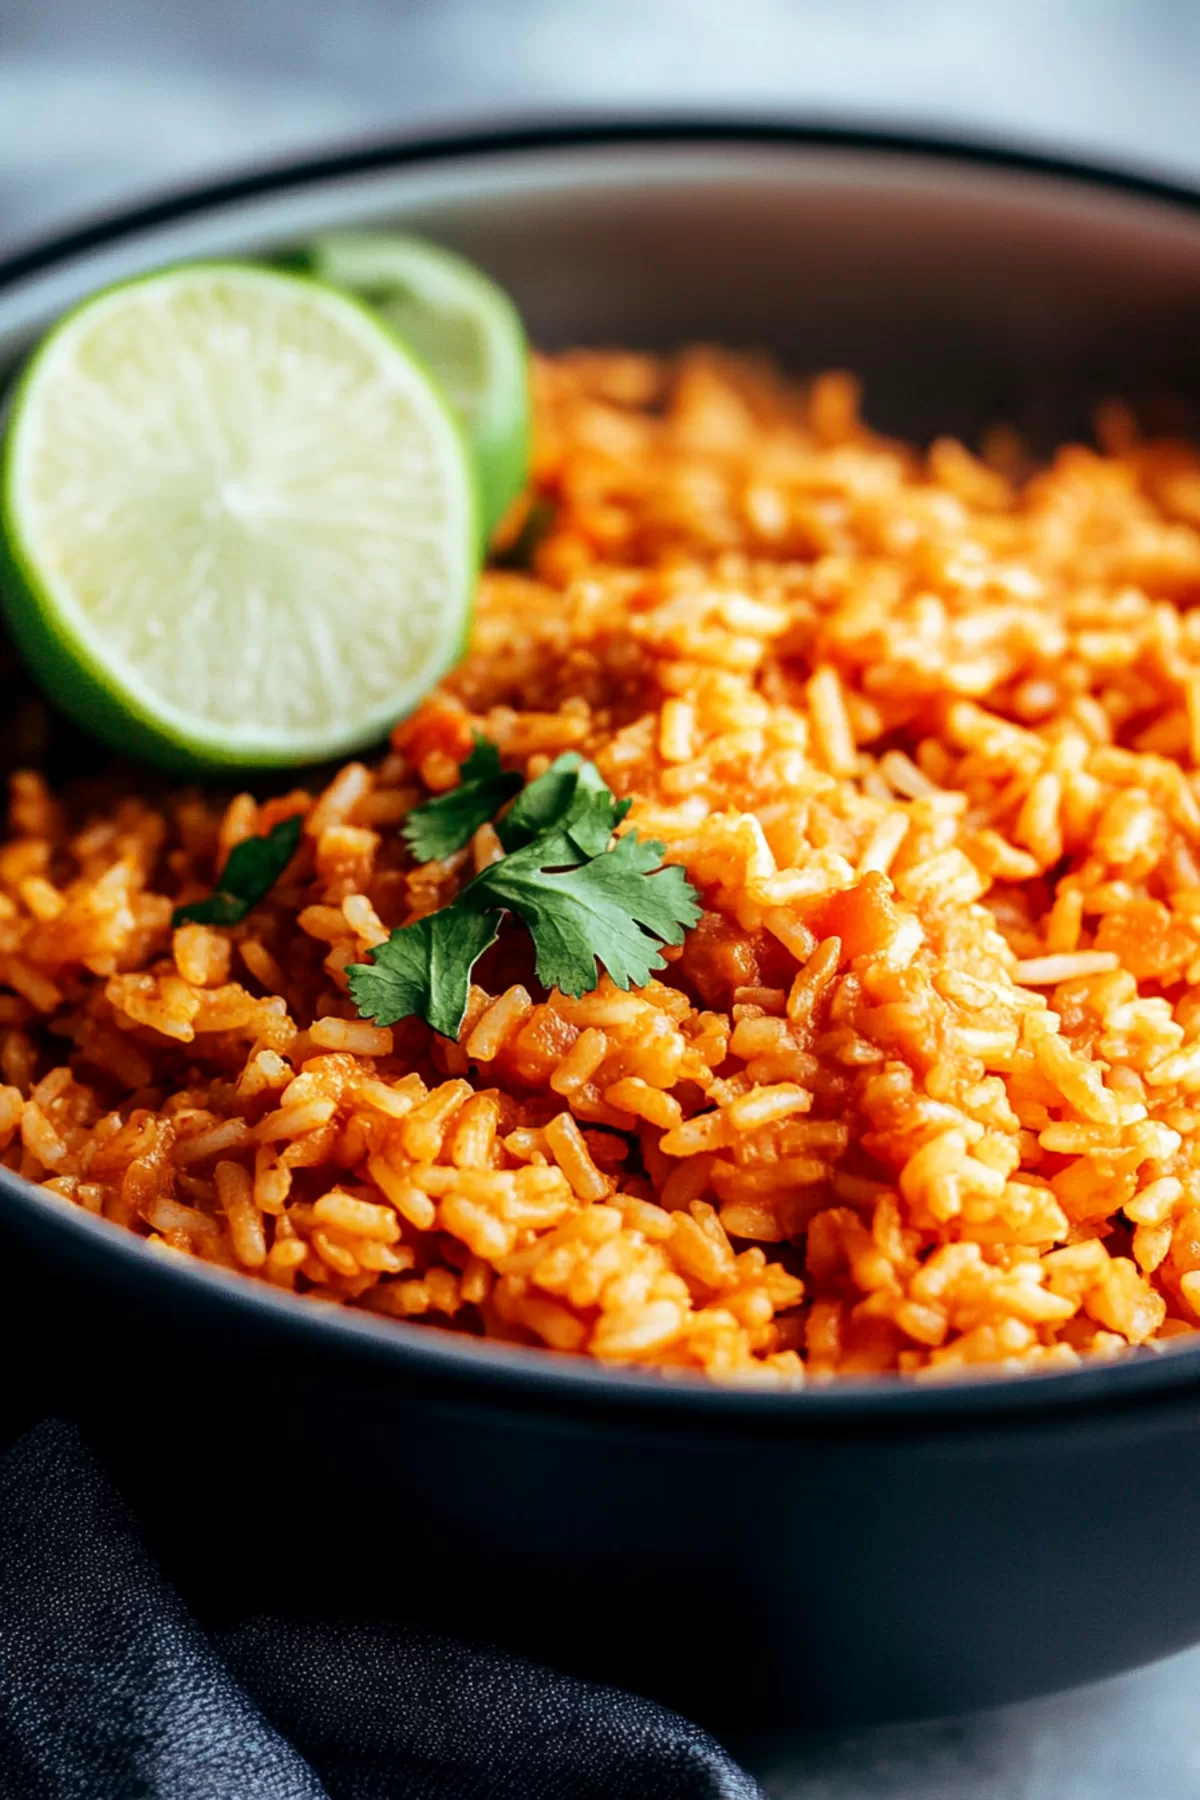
(920, 1091)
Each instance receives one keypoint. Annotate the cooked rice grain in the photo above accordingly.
(919, 1092)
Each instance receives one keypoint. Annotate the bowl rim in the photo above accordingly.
(526, 1376)
(580, 129)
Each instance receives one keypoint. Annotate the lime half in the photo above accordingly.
(466, 330)
(238, 520)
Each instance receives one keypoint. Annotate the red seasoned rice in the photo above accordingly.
(920, 1091)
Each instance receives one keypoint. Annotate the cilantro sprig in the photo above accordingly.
(587, 901)
(617, 908)
(571, 799)
(424, 970)
(449, 821)
(251, 871)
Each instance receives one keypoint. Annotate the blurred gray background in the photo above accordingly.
(102, 100)
(101, 97)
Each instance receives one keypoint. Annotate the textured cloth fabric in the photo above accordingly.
(110, 1690)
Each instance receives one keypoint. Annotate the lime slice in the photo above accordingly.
(238, 521)
(466, 330)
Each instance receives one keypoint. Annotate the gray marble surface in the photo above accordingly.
(1137, 1738)
(103, 99)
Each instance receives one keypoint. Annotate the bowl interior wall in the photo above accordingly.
(961, 294)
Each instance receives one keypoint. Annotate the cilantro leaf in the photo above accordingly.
(251, 871)
(594, 813)
(542, 804)
(586, 900)
(449, 821)
(618, 908)
(571, 797)
(425, 968)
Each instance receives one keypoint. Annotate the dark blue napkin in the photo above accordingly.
(110, 1690)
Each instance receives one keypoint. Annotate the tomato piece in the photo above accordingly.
(1151, 943)
(863, 916)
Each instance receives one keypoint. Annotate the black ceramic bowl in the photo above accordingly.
(758, 1558)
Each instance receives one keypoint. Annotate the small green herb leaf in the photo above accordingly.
(425, 969)
(449, 822)
(587, 901)
(570, 797)
(253, 868)
(619, 908)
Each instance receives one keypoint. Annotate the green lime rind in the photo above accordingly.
(466, 330)
(97, 690)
